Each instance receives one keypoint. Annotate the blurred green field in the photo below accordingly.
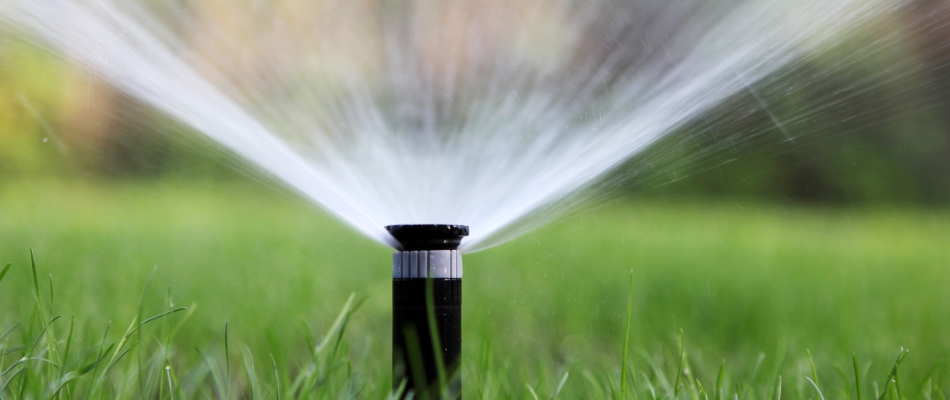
(749, 284)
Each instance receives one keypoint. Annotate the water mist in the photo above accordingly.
(484, 113)
(492, 114)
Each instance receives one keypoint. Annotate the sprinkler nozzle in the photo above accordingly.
(428, 237)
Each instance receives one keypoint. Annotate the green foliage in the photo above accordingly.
(30, 91)
(234, 292)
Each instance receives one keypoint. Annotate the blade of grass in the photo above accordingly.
(777, 365)
(117, 359)
(897, 384)
(560, 386)
(649, 385)
(940, 394)
(251, 372)
(531, 391)
(332, 364)
(436, 340)
(337, 323)
(215, 376)
(895, 394)
(679, 369)
(755, 374)
(3, 273)
(399, 391)
(51, 294)
(308, 336)
(45, 314)
(719, 380)
(227, 363)
(168, 377)
(276, 376)
(814, 371)
(416, 366)
(857, 377)
(658, 375)
(179, 309)
(892, 376)
(626, 339)
(927, 378)
(4, 335)
(69, 341)
(118, 353)
(778, 388)
(36, 281)
(100, 354)
(3, 387)
(814, 385)
(148, 281)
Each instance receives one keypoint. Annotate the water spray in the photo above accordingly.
(427, 308)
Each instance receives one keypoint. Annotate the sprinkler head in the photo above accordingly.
(427, 309)
(428, 237)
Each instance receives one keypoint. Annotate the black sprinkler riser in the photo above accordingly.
(422, 277)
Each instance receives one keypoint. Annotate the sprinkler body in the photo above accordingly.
(427, 309)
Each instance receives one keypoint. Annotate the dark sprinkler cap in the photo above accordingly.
(428, 237)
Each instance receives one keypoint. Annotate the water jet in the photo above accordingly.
(427, 308)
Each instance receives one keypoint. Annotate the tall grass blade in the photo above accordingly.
(215, 375)
(141, 378)
(560, 386)
(531, 391)
(227, 363)
(251, 372)
(679, 369)
(337, 323)
(116, 361)
(416, 365)
(276, 376)
(6, 269)
(50, 294)
(893, 375)
(5, 334)
(169, 312)
(927, 378)
(778, 388)
(436, 340)
(720, 380)
(626, 339)
(815, 385)
(168, 377)
(857, 377)
(36, 281)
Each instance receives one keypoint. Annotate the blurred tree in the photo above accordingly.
(29, 100)
(866, 121)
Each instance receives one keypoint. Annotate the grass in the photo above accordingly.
(183, 290)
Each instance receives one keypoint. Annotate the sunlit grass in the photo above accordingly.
(254, 294)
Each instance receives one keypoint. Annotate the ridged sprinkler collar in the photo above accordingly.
(428, 237)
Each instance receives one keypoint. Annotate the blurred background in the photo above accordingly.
(869, 128)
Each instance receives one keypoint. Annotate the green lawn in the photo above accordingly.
(749, 284)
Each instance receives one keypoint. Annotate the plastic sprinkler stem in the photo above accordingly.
(427, 310)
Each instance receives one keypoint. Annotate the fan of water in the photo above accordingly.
(483, 113)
